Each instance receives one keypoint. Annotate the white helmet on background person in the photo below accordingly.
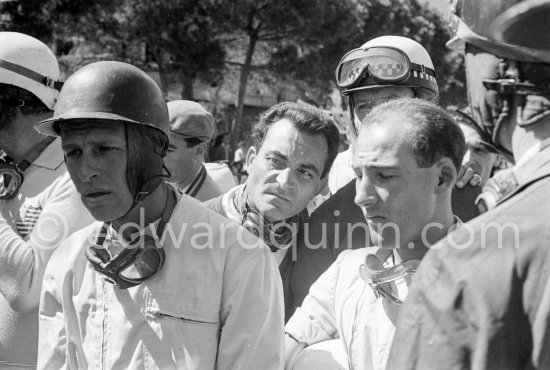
(29, 64)
(388, 61)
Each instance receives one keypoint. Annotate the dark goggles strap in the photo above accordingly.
(35, 76)
(34, 153)
(111, 268)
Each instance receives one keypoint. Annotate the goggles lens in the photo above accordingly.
(380, 63)
(384, 281)
(10, 180)
(146, 264)
(134, 265)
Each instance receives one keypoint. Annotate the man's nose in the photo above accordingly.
(365, 192)
(285, 178)
(87, 169)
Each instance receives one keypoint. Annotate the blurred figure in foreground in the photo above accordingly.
(39, 205)
(481, 298)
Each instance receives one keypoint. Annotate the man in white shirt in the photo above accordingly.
(160, 282)
(294, 147)
(406, 160)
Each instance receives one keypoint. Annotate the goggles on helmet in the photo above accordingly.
(382, 64)
(138, 262)
(382, 280)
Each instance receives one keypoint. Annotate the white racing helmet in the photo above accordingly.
(29, 64)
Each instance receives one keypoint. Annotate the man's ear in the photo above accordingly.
(446, 175)
(200, 150)
(323, 185)
(251, 155)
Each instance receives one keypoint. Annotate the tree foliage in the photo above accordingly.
(181, 36)
(228, 44)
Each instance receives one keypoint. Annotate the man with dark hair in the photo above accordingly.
(481, 298)
(406, 160)
(191, 127)
(143, 288)
(39, 206)
(294, 147)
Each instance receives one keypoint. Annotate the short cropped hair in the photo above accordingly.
(434, 134)
(306, 118)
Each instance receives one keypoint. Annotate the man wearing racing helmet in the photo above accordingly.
(39, 205)
(159, 293)
(481, 297)
(383, 69)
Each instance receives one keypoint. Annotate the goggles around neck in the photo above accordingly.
(385, 65)
(382, 280)
(276, 235)
(140, 261)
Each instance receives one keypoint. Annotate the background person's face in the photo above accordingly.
(477, 156)
(397, 197)
(285, 174)
(365, 100)
(96, 158)
(180, 159)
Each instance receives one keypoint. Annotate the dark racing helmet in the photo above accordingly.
(497, 71)
(119, 93)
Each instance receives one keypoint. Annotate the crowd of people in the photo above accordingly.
(416, 247)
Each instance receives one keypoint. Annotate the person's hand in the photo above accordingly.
(467, 175)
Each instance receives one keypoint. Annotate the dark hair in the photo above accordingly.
(192, 141)
(306, 118)
(434, 133)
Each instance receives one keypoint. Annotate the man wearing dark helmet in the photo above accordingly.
(142, 288)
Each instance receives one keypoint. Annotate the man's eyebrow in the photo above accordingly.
(67, 146)
(307, 166)
(311, 167)
(375, 166)
(278, 154)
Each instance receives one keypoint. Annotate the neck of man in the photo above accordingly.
(436, 230)
(528, 140)
(190, 175)
(19, 137)
(145, 212)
